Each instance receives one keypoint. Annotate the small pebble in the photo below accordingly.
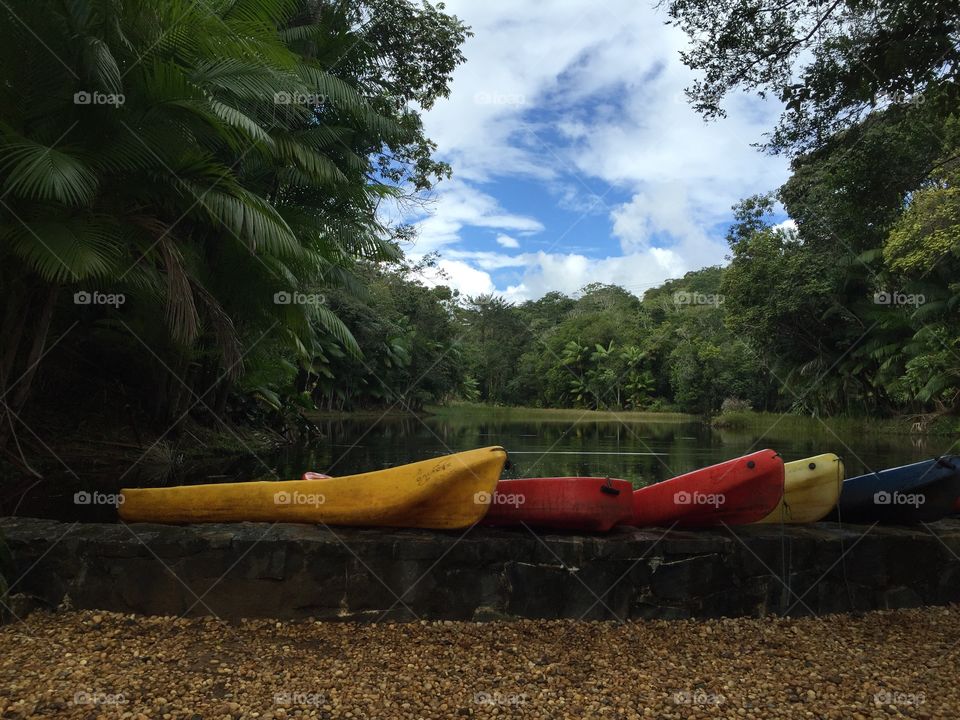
(896, 663)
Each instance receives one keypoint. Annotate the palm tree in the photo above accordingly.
(199, 158)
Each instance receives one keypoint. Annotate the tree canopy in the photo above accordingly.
(218, 166)
(831, 62)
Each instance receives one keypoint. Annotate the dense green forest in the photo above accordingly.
(605, 349)
(189, 229)
(181, 183)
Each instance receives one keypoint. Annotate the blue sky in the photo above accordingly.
(576, 157)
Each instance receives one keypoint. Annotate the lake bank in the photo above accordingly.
(502, 412)
(75, 665)
(786, 423)
(93, 443)
(742, 420)
(61, 453)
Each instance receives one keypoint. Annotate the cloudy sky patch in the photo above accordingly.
(576, 157)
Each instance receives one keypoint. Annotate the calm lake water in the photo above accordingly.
(643, 451)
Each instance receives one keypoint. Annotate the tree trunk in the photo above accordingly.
(13, 323)
(220, 405)
(186, 397)
(16, 390)
(171, 390)
(303, 377)
(40, 332)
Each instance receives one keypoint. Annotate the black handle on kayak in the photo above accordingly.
(609, 489)
(946, 463)
(751, 464)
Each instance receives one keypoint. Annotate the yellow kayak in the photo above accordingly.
(811, 488)
(448, 492)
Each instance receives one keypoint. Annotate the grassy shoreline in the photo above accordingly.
(316, 416)
(499, 412)
(735, 421)
(747, 420)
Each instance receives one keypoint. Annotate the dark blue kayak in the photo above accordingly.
(920, 492)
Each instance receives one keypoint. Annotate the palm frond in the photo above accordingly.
(247, 217)
(321, 169)
(101, 66)
(223, 330)
(333, 325)
(39, 172)
(242, 78)
(66, 252)
(181, 312)
(237, 119)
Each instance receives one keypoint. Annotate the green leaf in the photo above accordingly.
(66, 252)
(38, 172)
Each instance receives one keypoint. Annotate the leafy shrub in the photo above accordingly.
(732, 404)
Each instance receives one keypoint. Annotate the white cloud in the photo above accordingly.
(515, 63)
(458, 205)
(585, 99)
(570, 272)
(789, 225)
(663, 209)
(470, 271)
(487, 260)
(458, 274)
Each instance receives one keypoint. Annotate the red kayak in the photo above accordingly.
(734, 492)
(565, 503)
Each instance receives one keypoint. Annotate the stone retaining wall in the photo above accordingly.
(301, 571)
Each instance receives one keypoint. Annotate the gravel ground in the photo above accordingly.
(103, 665)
